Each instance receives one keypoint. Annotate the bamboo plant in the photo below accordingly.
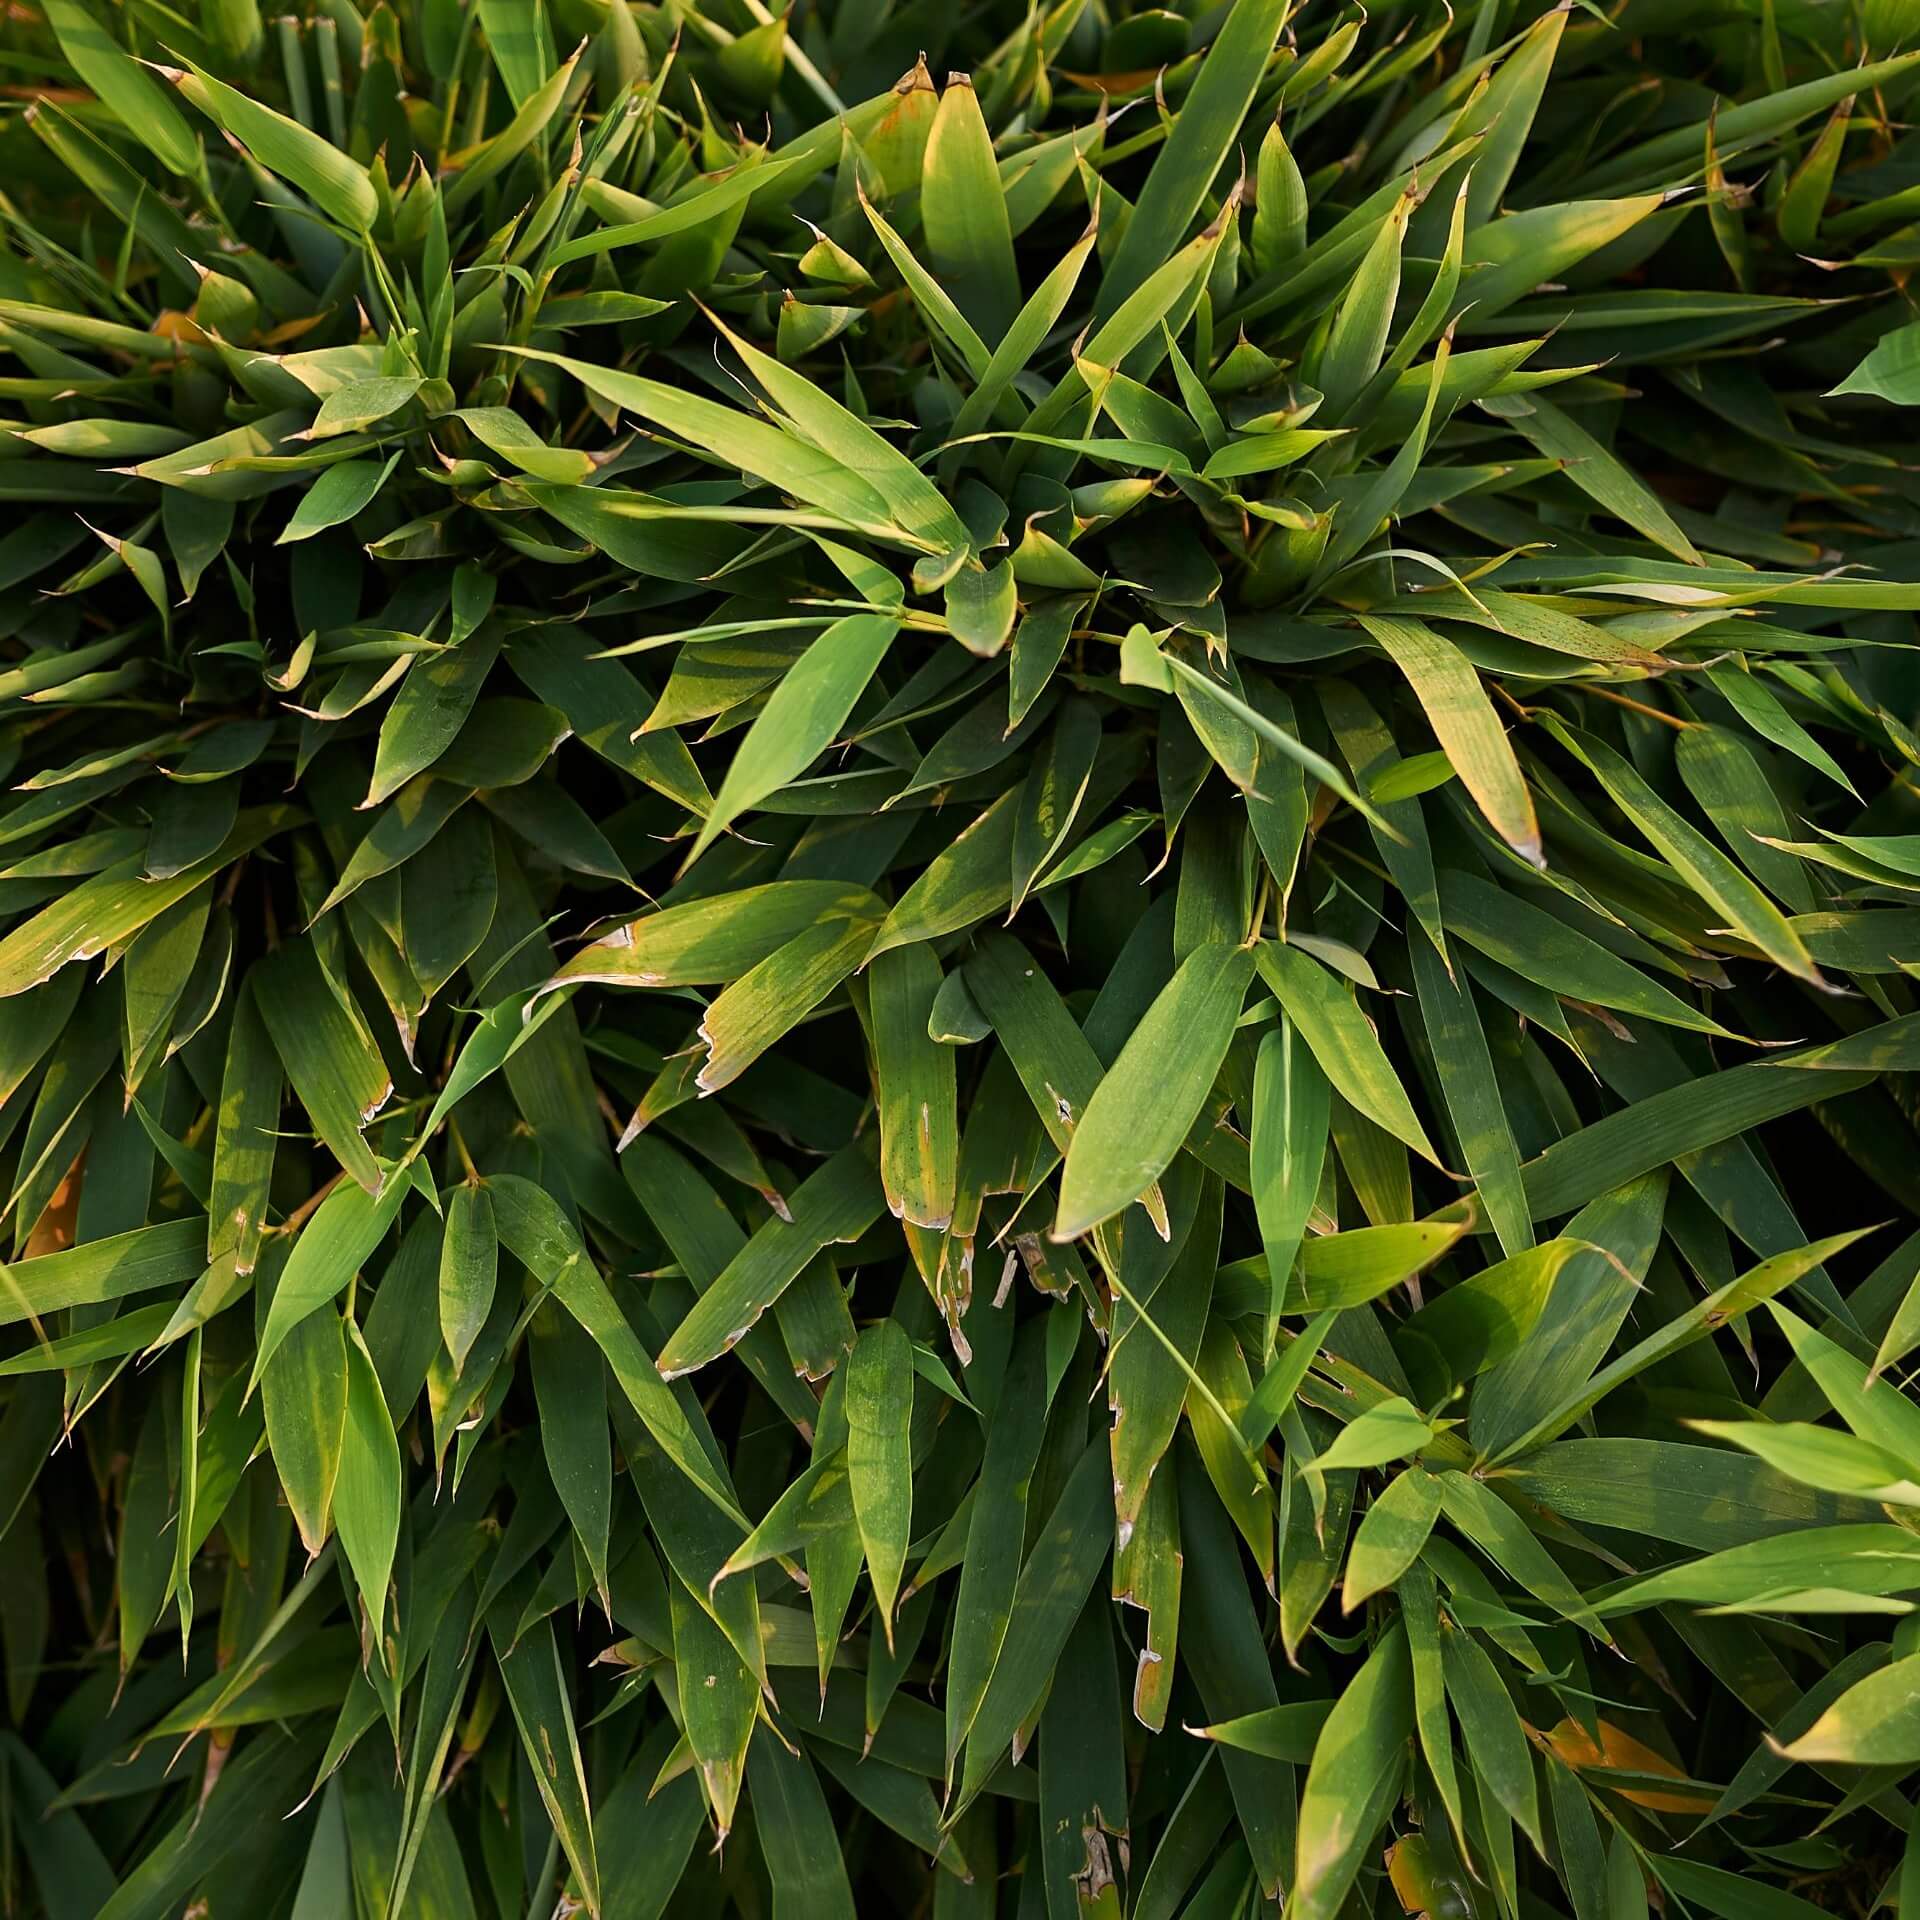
(959, 959)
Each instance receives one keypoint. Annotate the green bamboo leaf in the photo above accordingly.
(1464, 722)
(797, 1833)
(1277, 1733)
(981, 604)
(1341, 1041)
(129, 1332)
(1390, 1535)
(332, 1247)
(304, 1388)
(1702, 866)
(1753, 1288)
(336, 184)
(838, 1203)
(1202, 138)
(1052, 794)
(110, 907)
(1876, 1722)
(1348, 1269)
(934, 301)
(448, 899)
(166, 1255)
(1280, 204)
(1602, 476)
(913, 501)
(718, 1699)
(1141, 1112)
(1508, 109)
(1017, 348)
(1482, 1321)
(1385, 1433)
(1053, 1586)
(802, 718)
(1891, 371)
(708, 941)
(641, 532)
(1163, 1289)
(1152, 668)
(557, 828)
(535, 1686)
(1903, 1324)
(1754, 120)
(505, 433)
(1867, 1558)
(1357, 342)
(768, 1000)
(68, 1866)
(879, 1408)
(1287, 1152)
(532, 113)
(362, 404)
(1508, 928)
(818, 1503)
(1473, 1096)
(919, 1133)
(1506, 257)
(777, 456)
(967, 880)
(140, 105)
(1354, 1778)
(1870, 1405)
(243, 1145)
(1820, 1457)
(1495, 1740)
(570, 1385)
(401, 828)
(1696, 1114)
(708, 205)
(1379, 495)
(367, 1491)
(1167, 294)
(469, 1265)
(964, 213)
(536, 1231)
(1761, 709)
(990, 1565)
(500, 1033)
(427, 715)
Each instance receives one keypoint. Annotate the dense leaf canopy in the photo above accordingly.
(959, 959)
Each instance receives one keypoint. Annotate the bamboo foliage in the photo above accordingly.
(959, 960)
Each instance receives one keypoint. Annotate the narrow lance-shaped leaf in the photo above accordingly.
(570, 1383)
(879, 1406)
(964, 212)
(1354, 1778)
(1341, 1041)
(344, 1230)
(367, 1492)
(304, 1390)
(919, 1131)
(1288, 1151)
(140, 105)
(1464, 722)
(1141, 1111)
(469, 1264)
(336, 184)
(535, 1687)
(800, 721)
(1201, 141)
